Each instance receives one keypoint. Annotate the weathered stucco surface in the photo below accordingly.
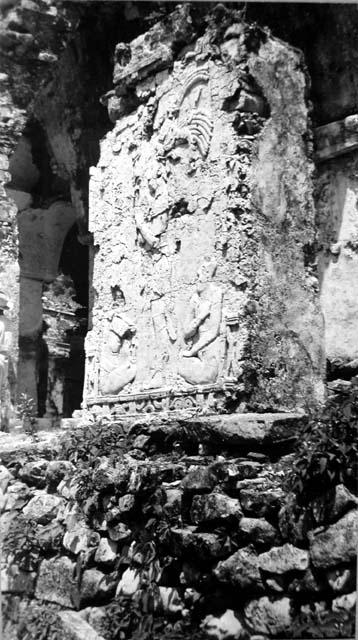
(201, 207)
(337, 217)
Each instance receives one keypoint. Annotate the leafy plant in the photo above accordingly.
(40, 621)
(90, 442)
(26, 410)
(327, 625)
(21, 542)
(328, 452)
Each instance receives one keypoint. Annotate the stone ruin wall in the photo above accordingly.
(73, 533)
(337, 191)
(201, 207)
(12, 120)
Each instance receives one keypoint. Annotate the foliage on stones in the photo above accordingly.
(329, 450)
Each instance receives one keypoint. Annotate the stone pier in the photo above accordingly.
(202, 212)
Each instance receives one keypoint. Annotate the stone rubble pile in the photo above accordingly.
(217, 539)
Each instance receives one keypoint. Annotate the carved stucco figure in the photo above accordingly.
(189, 120)
(117, 364)
(200, 362)
(151, 199)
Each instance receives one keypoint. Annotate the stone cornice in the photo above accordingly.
(336, 138)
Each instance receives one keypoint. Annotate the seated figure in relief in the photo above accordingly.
(117, 363)
(199, 364)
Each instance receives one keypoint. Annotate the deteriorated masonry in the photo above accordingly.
(214, 546)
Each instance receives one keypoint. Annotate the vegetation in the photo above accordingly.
(26, 410)
(328, 453)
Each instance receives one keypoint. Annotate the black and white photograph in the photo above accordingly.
(178, 320)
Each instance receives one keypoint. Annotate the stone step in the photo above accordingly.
(237, 429)
(247, 431)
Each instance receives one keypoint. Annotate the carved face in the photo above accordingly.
(205, 275)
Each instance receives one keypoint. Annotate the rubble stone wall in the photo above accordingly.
(135, 529)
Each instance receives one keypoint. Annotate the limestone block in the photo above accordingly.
(205, 545)
(269, 616)
(5, 477)
(76, 628)
(248, 469)
(258, 531)
(96, 617)
(263, 429)
(50, 536)
(56, 581)
(80, 539)
(126, 504)
(262, 502)
(34, 473)
(43, 508)
(343, 500)
(283, 559)
(57, 470)
(341, 579)
(5, 522)
(106, 552)
(337, 544)
(173, 503)
(241, 569)
(345, 603)
(199, 480)
(214, 506)
(17, 496)
(225, 627)
(95, 586)
(119, 532)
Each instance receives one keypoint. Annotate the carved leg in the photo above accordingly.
(197, 371)
(113, 382)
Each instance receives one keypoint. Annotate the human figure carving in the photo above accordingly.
(117, 365)
(200, 363)
(151, 202)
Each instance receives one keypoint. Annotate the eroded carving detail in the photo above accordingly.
(200, 363)
(190, 120)
(118, 363)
